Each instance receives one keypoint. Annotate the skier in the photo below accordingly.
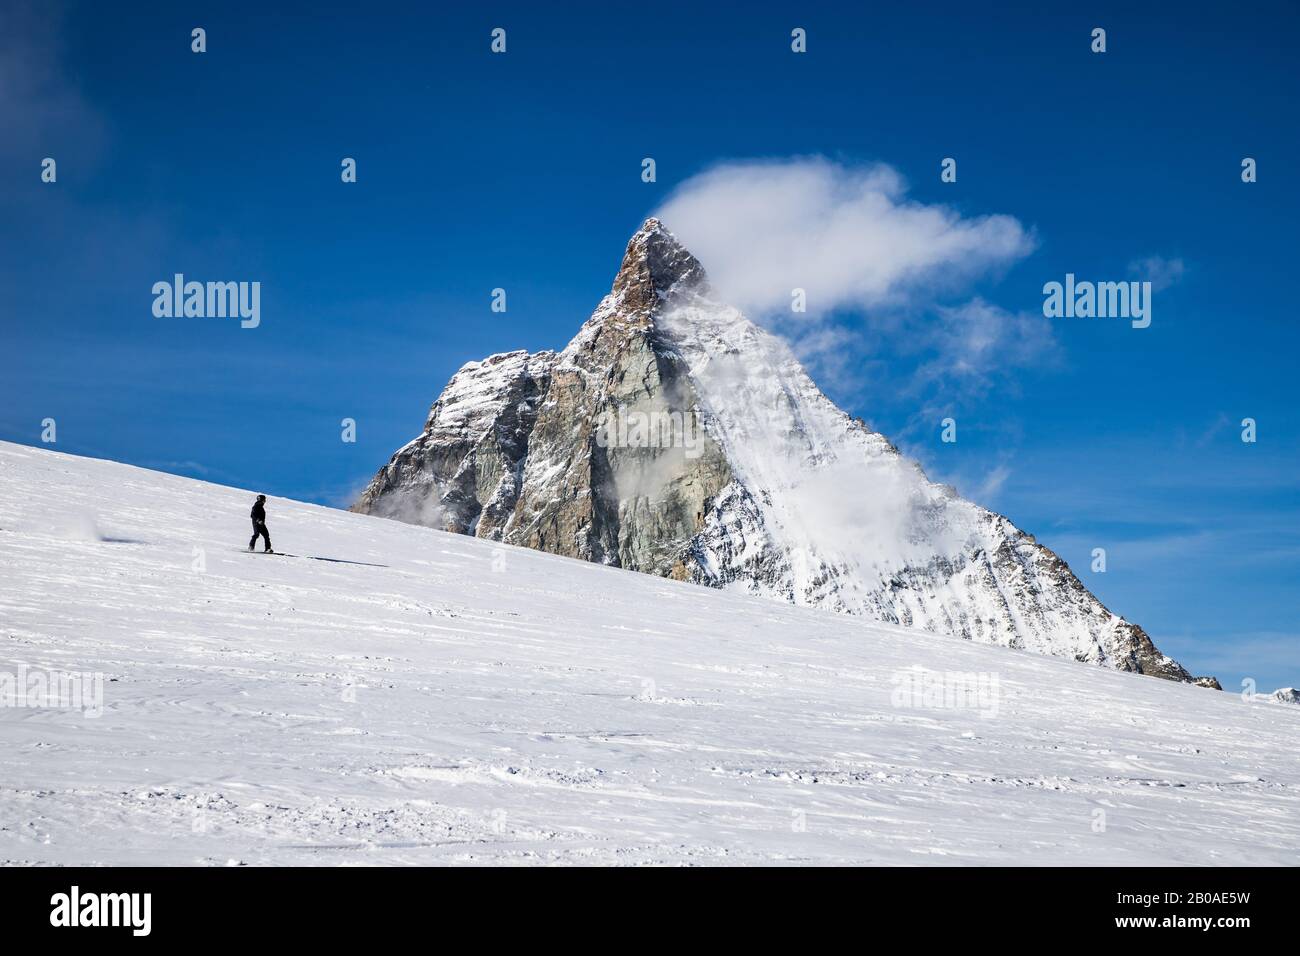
(258, 514)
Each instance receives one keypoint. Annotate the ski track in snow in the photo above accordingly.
(450, 700)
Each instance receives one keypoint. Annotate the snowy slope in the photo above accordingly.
(402, 695)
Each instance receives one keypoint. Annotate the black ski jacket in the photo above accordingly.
(258, 514)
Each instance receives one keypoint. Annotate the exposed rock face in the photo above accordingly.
(675, 437)
(463, 472)
(586, 493)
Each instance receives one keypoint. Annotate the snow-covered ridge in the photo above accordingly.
(1283, 695)
(397, 695)
(791, 497)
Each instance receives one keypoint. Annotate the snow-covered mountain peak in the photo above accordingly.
(656, 265)
(674, 436)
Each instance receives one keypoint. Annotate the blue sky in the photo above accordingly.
(522, 171)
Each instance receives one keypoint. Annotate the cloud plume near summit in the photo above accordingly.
(891, 308)
(849, 236)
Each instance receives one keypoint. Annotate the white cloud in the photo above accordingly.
(992, 484)
(971, 343)
(846, 235)
(1159, 271)
(852, 240)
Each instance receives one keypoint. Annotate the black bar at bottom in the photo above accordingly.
(337, 906)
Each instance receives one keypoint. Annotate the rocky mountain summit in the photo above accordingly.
(675, 437)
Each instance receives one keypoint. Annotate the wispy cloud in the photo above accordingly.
(341, 494)
(1213, 430)
(983, 484)
(879, 272)
(848, 236)
(991, 486)
(1159, 271)
(972, 345)
(1140, 552)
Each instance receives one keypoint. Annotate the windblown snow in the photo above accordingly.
(779, 492)
(396, 694)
